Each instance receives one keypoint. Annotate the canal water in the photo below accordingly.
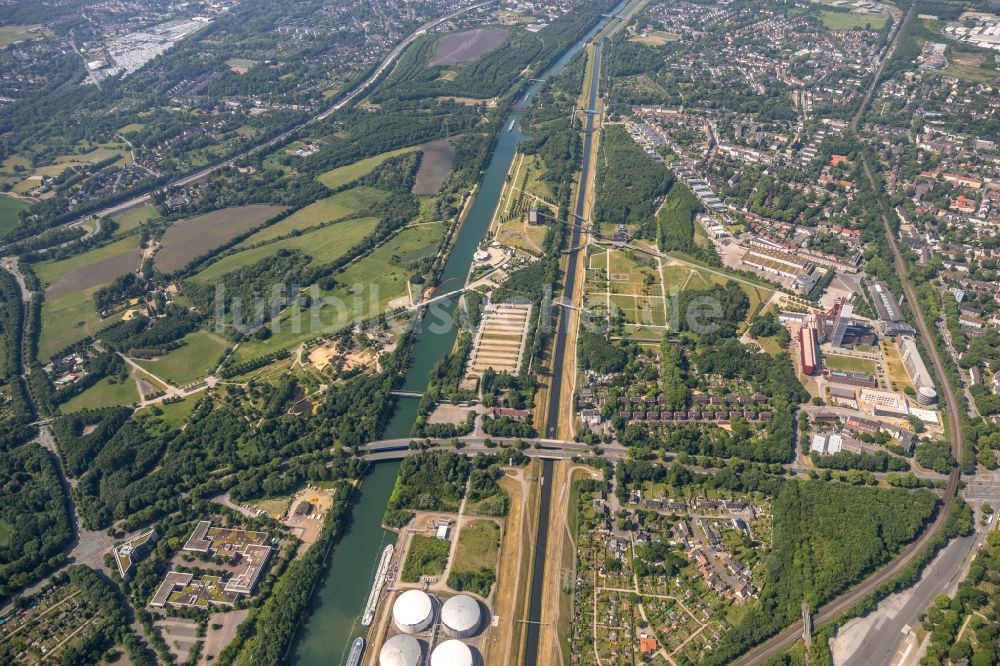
(335, 618)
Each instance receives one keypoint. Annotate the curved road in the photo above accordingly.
(360, 88)
(787, 638)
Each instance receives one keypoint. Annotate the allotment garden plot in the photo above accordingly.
(628, 285)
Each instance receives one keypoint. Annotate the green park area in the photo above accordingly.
(365, 288)
(474, 568)
(198, 355)
(109, 392)
(9, 209)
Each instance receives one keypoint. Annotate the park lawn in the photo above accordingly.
(50, 272)
(132, 218)
(176, 413)
(364, 289)
(849, 364)
(67, 319)
(323, 245)
(478, 546)
(343, 175)
(9, 208)
(325, 210)
(131, 127)
(104, 394)
(198, 356)
(427, 556)
(849, 21)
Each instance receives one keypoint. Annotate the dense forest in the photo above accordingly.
(35, 522)
(630, 183)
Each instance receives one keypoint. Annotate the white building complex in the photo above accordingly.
(413, 611)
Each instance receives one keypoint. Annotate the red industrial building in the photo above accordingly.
(808, 350)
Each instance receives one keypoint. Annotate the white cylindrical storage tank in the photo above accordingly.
(461, 616)
(413, 611)
(400, 650)
(452, 653)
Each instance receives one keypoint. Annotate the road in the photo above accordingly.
(832, 610)
(874, 639)
(350, 97)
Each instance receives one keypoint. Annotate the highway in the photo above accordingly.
(832, 610)
(350, 97)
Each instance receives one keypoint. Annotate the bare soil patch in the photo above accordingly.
(94, 274)
(435, 164)
(190, 238)
(216, 640)
(468, 45)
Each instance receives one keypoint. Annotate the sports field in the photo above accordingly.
(849, 364)
(198, 356)
(190, 238)
(323, 245)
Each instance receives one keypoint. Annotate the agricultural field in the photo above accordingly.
(109, 392)
(9, 208)
(469, 45)
(349, 173)
(188, 239)
(131, 219)
(89, 269)
(435, 165)
(325, 210)
(323, 245)
(198, 355)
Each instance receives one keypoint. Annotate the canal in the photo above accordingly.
(335, 615)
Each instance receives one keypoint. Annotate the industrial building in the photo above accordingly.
(921, 378)
(885, 403)
(452, 653)
(884, 302)
(461, 616)
(401, 650)
(808, 350)
(781, 263)
(852, 378)
(413, 611)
